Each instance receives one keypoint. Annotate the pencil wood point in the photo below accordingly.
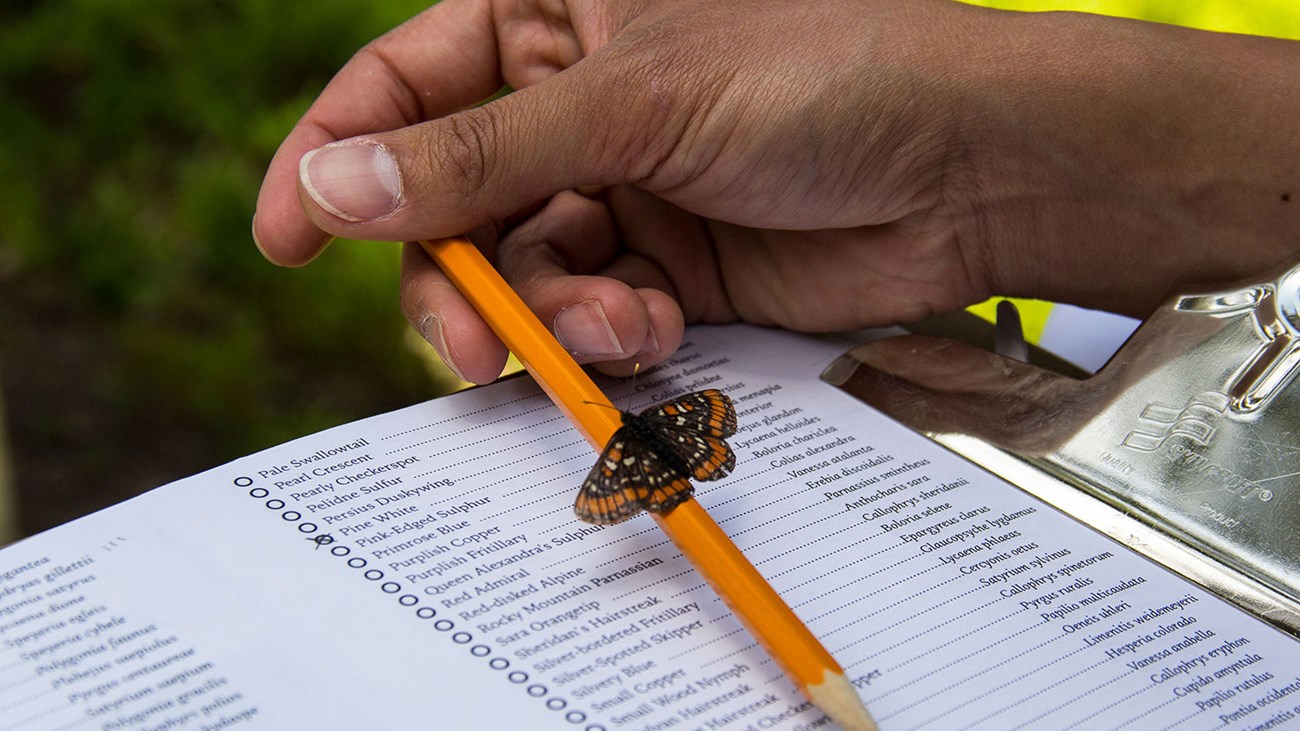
(836, 697)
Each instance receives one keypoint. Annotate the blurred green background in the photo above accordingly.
(142, 337)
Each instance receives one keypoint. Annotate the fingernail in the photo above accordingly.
(584, 330)
(650, 346)
(356, 181)
(431, 330)
(256, 241)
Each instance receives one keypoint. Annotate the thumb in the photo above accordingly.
(942, 386)
(450, 175)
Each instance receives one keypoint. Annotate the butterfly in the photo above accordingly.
(650, 460)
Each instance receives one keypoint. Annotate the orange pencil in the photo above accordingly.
(691, 529)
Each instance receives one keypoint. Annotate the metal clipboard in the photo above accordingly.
(1185, 447)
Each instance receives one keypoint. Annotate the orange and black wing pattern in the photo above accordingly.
(695, 426)
(649, 462)
(628, 478)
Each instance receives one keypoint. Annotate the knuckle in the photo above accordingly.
(414, 292)
(459, 150)
(415, 307)
(410, 295)
(661, 88)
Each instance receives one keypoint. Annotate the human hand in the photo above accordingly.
(815, 166)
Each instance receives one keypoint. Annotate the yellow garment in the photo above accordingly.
(1278, 18)
(1033, 314)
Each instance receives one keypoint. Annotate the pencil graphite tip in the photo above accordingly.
(836, 697)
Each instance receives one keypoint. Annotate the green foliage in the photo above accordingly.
(134, 308)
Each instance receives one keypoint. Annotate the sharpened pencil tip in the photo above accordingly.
(836, 697)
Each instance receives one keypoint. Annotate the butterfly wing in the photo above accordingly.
(709, 412)
(695, 427)
(606, 497)
(659, 486)
(631, 475)
(627, 478)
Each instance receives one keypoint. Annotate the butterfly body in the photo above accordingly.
(650, 460)
(643, 430)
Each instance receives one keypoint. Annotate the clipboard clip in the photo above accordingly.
(1185, 446)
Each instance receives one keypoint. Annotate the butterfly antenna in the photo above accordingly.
(636, 368)
(631, 389)
(604, 406)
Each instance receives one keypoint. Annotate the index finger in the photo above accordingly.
(441, 61)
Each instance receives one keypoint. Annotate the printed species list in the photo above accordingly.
(437, 545)
(894, 552)
(70, 659)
